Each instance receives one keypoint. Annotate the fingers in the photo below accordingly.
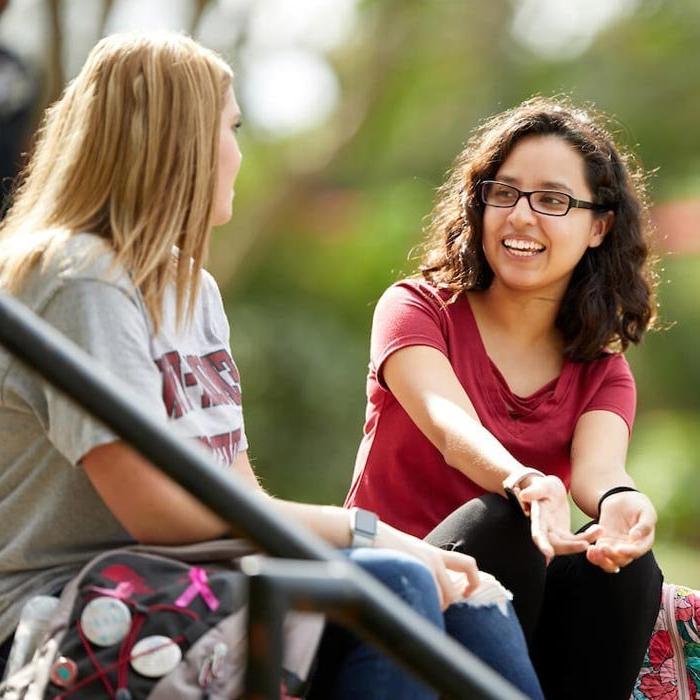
(447, 590)
(455, 574)
(596, 557)
(612, 555)
(566, 543)
(622, 553)
(646, 523)
(643, 531)
(543, 487)
(538, 531)
(465, 565)
(591, 534)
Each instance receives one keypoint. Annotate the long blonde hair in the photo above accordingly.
(130, 153)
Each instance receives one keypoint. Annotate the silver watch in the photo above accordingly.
(363, 527)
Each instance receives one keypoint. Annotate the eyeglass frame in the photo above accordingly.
(573, 202)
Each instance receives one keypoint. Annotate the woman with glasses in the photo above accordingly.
(498, 383)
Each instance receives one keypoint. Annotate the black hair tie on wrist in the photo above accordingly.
(612, 492)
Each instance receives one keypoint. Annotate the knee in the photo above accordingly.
(390, 566)
(642, 578)
(501, 515)
(487, 523)
(403, 574)
(637, 585)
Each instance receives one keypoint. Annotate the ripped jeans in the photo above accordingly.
(348, 668)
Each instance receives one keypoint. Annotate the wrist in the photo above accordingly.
(364, 527)
(515, 482)
(613, 492)
(520, 479)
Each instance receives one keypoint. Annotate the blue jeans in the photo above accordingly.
(350, 669)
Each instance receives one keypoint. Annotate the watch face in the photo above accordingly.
(366, 522)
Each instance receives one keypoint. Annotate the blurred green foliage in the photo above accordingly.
(328, 220)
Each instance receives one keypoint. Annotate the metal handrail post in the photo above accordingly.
(267, 607)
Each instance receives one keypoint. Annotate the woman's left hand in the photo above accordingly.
(628, 522)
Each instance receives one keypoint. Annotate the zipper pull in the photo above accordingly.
(218, 656)
(212, 665)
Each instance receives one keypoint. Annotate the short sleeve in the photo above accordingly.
(109, 325)
(617, 392)
(406, 314)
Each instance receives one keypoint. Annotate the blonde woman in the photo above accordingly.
(106, 240)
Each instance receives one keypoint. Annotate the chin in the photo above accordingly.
(222, 215)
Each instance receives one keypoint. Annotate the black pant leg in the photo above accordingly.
(497, 534)
(595, 627)
(336, 643)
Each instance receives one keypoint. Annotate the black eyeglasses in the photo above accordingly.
(549, 202)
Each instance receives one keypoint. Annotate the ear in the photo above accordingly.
(600, 228)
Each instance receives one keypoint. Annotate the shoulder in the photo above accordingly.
(609, 365)
(211, 302)
(410, 312)
(609, 374)
(85, 257)
(82, 260)
(209, 288)
(418, 292)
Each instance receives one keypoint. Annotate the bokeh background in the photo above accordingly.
(353, 112)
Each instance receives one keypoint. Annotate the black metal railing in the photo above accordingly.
(326, 581)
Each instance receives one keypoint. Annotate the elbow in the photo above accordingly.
(172, 534)
(453, 457)
(144, 534)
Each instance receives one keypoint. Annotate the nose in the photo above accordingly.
(521, 212)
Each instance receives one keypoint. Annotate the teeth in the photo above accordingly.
(519, 245)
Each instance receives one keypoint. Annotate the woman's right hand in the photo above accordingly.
(456, 575)
(550, 518)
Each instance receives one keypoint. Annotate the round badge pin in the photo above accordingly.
(155, 656)
(105, 621)
(63, 673)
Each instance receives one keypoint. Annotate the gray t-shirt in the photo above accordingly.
(52, 519)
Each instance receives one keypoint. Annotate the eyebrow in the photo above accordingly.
(547, 185)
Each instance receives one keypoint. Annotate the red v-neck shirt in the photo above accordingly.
(400, 475)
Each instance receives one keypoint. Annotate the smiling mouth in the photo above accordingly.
(521, 248)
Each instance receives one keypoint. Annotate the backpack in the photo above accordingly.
(671, 669)
(157, 623)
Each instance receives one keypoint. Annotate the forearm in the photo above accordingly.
(328, 522)
(598, 455)
(473, 450)
(149, 505)
(156, 510)
(424, 383)
(333, 525)
(183, 521)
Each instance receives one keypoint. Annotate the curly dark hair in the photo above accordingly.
(610, 301)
